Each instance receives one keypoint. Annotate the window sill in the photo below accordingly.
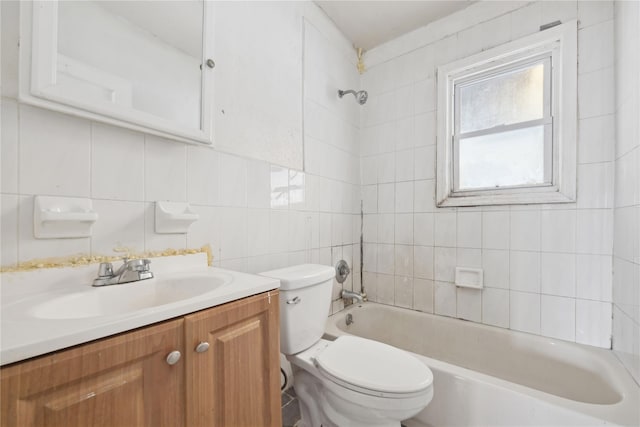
(521, 198)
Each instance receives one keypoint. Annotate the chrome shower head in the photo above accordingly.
(361, 96)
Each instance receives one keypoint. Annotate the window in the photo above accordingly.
(507, 123)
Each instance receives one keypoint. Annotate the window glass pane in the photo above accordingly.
(502, 159)
(507, 98)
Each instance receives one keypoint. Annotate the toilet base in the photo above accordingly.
(316, 410)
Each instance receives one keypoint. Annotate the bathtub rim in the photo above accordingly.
(624, 412)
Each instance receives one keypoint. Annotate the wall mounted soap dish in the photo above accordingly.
(174, 217)
(62, 217)
(469, 277)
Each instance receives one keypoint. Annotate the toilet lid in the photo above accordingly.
(374, 366)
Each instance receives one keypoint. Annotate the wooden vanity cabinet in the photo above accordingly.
(118, 381)
(125, 380)
(240, 368)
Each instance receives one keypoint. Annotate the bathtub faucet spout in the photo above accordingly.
(353, 296)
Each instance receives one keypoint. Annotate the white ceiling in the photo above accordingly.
(370, 23)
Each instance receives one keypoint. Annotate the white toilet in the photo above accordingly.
(349, 382)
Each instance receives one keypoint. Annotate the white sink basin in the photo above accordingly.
(125, 298)
(50, 309)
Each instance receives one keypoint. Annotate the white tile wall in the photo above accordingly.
(386, 289)
(165, 170)
(115, 176)
(593, 323)
(524, 272)
(423, 228)
(404, 260)
(403, 229)
(423, 295)
(207, 229)
(544, 265)
(9, 204)
(121, 225)
(596, 136)
(626, 236)
(54, 153)
(469, 304)
(558, 317)
(524, 311)
(525, 230)
(594, 12)
(445, 302)
(558, 230)
(403, 296)
(9, 148)
(558, 274)
(255, 215)
(594, 277)
(495, 307)
(495, 264)
(445, 229)
(495, 230)
(258, 185)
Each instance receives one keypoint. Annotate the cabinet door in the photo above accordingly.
(119, 381)
(236, 382)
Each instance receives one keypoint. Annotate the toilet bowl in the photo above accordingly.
(386, 386)
(351, 381)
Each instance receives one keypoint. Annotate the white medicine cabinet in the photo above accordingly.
(143, 65)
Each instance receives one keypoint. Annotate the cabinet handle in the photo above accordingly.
(210, 63)
(202, 347)
(173, 357)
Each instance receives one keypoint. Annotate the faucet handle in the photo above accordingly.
(105, 269)
(145, 264)
(138, 264)
(342, 271)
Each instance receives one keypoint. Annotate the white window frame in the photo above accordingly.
(559, 44)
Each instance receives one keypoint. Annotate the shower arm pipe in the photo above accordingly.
(360, 96)
(341, 93)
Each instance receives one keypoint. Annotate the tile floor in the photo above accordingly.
(290, 408)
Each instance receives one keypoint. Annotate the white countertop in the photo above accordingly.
(23, 335)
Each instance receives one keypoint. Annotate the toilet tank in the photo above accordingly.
(305, 298)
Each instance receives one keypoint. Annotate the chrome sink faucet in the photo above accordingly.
(130, 271)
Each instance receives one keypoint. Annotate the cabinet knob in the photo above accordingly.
(173, 357)
(210, 63)
(202, 347)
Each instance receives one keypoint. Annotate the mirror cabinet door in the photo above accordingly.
(139, 62)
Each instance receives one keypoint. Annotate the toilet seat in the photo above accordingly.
(373, 368)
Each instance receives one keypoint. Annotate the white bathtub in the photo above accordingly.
(487, 376)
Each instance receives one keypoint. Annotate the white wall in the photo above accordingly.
(258, 80)
(547, 267)
(626, 238)
(256, 213)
